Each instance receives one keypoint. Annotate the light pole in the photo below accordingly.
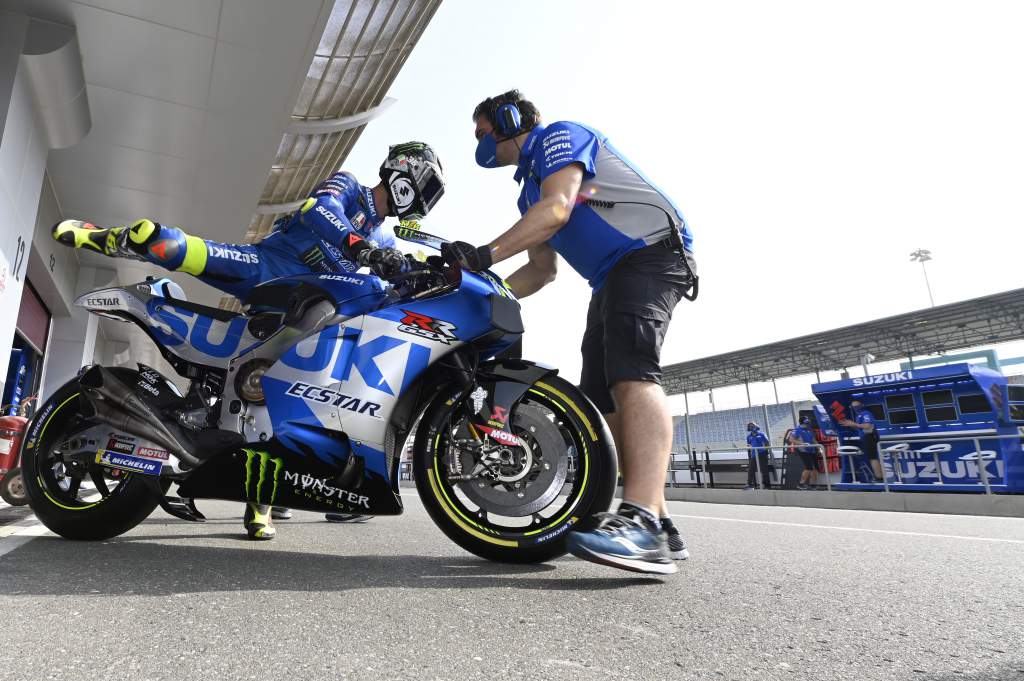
(923, 255)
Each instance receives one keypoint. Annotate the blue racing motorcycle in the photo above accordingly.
(307, 400)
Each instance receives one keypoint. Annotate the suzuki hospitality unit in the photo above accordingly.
(954, 428)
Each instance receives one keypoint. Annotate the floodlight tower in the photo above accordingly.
(923, 255)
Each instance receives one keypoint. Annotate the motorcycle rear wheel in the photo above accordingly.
(527, 518)
(101, 505)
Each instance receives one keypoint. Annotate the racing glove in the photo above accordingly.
(467, 256)
(384, 262)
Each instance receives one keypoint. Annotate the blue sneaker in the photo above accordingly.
(624, 542)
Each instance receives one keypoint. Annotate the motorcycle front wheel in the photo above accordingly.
(516, 502)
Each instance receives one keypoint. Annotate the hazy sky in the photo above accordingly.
(812, 145)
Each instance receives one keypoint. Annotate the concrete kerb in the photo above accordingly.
(955, 504)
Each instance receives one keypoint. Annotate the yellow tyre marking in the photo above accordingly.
(434, 484)
(573, 406)
(39, 478)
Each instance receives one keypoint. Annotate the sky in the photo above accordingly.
(811, 145)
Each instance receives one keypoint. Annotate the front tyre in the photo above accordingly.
(77, 500)
(519, 507)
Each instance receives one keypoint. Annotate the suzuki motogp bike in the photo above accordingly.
(306, 401)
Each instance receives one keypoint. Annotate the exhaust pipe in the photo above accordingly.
(117, 405)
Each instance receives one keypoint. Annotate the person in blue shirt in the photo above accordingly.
(759, 457)
(868, 442)
(337, 229)
(802, 439)
(580, 198)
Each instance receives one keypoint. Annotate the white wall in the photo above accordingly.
(23, 150)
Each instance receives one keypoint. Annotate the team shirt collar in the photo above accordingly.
(526, 154)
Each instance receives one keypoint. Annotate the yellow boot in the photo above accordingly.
(116, 242)
(257, 522)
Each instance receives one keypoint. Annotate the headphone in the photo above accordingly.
(508, 121)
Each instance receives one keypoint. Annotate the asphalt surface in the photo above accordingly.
(770, 593)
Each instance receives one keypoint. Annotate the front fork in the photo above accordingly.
(489, 396)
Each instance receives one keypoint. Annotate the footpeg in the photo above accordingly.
(175, 506)
(182, 508)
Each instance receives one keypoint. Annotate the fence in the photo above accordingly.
(890, 454)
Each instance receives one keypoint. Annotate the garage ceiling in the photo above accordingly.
(198, 107)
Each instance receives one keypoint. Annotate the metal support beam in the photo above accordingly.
(323, 126)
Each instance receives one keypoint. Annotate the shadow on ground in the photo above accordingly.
(152, 565)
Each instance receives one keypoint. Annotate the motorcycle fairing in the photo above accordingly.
(269, 473)
(194, 333)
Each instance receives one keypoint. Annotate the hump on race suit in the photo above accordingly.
(351, 293)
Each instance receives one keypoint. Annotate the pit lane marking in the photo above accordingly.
(19, 535)
(849, 529)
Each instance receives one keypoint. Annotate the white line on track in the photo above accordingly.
(21, 537)
(849, 529)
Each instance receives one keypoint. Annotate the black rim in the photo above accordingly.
(74, 485)
(469, 508)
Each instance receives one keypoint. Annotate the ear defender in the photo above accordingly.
(508, 120)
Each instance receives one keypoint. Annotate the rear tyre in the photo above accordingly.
(562, 472)
(93, 504)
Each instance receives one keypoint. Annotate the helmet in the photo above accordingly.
(414, 178)
(751, 427)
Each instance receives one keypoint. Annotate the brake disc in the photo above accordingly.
(534, 473)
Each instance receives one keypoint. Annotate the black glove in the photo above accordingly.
(467, 256)
(384, 262)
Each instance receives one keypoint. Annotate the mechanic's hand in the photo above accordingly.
(467, 256)
(385, 262)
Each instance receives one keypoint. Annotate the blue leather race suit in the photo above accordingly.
(316, 238)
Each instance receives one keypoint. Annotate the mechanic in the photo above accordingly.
(582, 200)
(802, 439)
(759, 457)
(868, 443)
(336, 230)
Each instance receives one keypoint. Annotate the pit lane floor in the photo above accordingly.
(770, 593)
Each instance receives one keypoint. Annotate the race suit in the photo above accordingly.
(321, 236)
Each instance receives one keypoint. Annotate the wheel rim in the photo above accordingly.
(549, 495)
(16, 487)
(70, 488)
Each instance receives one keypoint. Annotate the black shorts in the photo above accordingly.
(809, 460)
(869, 446)
(627, 321)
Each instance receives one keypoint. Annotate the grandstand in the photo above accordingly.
(726, 429)
(931, 331)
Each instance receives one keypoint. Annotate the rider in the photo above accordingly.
(337, 229)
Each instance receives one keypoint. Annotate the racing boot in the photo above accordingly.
(257, 522)
(112, 241)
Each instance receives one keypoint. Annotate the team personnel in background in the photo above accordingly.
(759, 457)
(337, 229)
(865, 423)
(802, 439)
(583, 200)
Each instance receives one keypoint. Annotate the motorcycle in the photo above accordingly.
(306, 401)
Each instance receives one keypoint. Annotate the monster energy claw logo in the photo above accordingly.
(256, 469)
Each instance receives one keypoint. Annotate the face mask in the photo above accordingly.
(487, 152)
